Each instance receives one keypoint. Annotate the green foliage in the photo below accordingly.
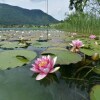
(11, 45)
(11, 15)
(95, 93)
(63, 56)
(14, 58)
(90, 52)
(97, 69)
(41, 44)
(78, 5)
(81, 23)
(90, 48)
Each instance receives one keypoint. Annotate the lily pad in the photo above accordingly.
(41, 44)
(63, 56)
(93, 44)
(14, 58)
(95, 93)
(97, 69)
(90, 52)
(12, 45)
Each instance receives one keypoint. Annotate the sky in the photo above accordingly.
(56, 8)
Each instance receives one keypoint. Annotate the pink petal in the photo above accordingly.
(41, 76)
(34, 70)
(71, 44)
(54, 69)
(54, 60)
(49, 65)
(38, 59)
(43, 57)
(49, 58)
(46, 70)
(36, 62)
(33, 65)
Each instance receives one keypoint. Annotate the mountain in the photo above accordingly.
(12, 15)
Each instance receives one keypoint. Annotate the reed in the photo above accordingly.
(81, 23)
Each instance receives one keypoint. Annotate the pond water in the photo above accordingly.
(20, 84)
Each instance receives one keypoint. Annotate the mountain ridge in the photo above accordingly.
(13, 15)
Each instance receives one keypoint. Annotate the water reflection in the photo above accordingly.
(18, 84)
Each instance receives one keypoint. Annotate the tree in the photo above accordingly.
(78, 5)
(94, 7)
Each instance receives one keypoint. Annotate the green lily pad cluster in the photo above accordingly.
(91, 47)
(41, 44)
(11, 45)
(14, 58)
(63, 56)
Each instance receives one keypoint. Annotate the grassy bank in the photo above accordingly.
(83, 23)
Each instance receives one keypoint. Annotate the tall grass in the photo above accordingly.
(81, 23)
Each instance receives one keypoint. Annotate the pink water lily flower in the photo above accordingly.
(92, 36)
(76, 44)
(44, 66)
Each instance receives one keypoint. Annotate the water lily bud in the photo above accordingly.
(95, 56)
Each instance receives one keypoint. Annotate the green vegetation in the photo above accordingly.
(94, 94)
(81, 23)
(13, 15)
(79, 5)
(15, 58)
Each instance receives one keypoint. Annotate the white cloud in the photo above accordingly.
(56, 8)
(37, 0)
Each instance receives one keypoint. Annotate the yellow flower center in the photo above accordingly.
(43, 63)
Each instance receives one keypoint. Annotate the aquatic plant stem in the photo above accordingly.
(88, 73)
(81, 69)
(79, 79)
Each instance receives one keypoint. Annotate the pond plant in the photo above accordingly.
(92, 36)
(76, 45)
(71, 60)
(43, 66)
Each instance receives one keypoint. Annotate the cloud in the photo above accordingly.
(2, 1)
(37, 0)
(56, 8)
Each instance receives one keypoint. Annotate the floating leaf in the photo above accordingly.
(63, 56)
(91, 48)
(12, 45)
(41, 44)
(97, 69)
(14, 58)
(95, 93)
(90, 52)
(22, 58)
